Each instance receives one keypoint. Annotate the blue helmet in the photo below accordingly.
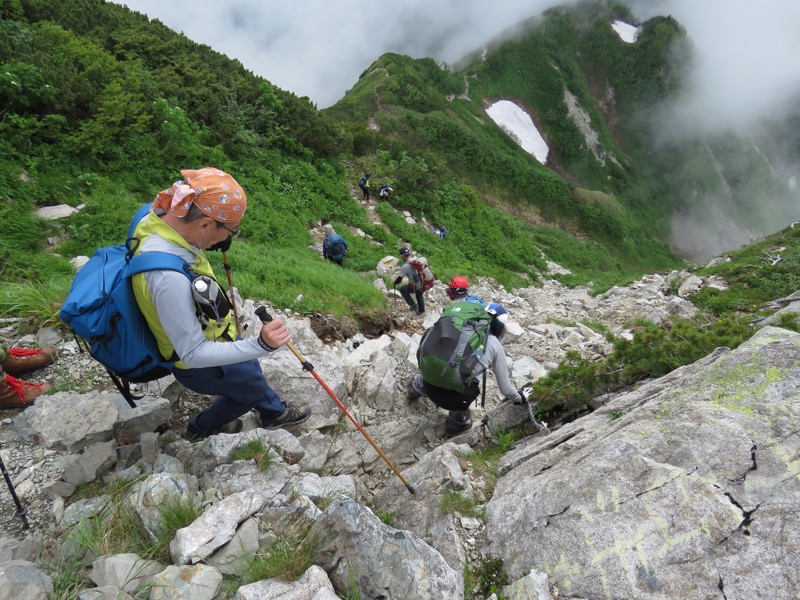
(499, 318)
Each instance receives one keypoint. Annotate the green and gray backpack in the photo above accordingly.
(451, 348)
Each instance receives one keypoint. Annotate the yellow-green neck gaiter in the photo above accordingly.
(214, 331)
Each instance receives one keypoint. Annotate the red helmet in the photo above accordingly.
(458, 287)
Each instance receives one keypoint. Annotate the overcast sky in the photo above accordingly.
(748, 64)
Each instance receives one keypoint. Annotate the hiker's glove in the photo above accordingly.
(224, 245)
(524, 394)
(398, 280)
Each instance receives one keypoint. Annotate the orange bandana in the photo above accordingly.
(214, 192)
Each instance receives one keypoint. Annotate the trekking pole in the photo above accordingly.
(307, 366)
(394, 297)
(22, 512)
(227, 268)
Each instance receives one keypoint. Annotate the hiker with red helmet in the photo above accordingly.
(458, 290)
(19, 393)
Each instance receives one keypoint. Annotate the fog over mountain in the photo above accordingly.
(319, 49)
(746, 66)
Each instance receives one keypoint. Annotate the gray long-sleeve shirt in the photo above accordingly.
(494, 356)
(172, 296)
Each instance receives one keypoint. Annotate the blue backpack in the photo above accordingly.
(102, 310)
(335, 246)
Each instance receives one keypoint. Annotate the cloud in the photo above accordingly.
(319, 49)
(747, 64)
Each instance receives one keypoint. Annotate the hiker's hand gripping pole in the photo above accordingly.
(307, 366)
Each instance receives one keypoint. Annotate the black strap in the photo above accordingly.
(483, 393)
(124, 387)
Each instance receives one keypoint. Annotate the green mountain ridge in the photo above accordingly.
(103, 107)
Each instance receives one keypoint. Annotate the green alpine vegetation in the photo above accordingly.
(100, 108)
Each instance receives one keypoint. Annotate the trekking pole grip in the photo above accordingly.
(265, 317)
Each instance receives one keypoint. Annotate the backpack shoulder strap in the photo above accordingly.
(156, 261)
(138, 216)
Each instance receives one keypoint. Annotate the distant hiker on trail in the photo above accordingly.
(458, 289)
(19, 393)
(420, 279)
(201, 212)
(441, 231)
(443, 382)
(334, 248)
(385, 191)
(364, 185)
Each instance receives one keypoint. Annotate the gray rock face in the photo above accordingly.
(355, 548)
(691, 493)
(153, 493)
(286, 376)
(214, 528)
(126, 572)
(198, 582)
(69, 420)
(21, 580)
(233, 557)
(438, 472)
(313, 585)
(94, 461)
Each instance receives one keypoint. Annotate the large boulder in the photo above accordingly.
(686, 487)
(359, 551)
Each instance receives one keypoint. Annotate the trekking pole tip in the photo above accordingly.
(411, 489)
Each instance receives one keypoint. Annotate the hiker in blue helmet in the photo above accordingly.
(459, 418)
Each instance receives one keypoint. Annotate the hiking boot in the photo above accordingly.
(412, 396)
(290, 416)
(234, 426)
(413, 308)
(21, 360)
(17, 393)
(453, 430)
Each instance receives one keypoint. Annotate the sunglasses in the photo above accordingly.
(234, 232)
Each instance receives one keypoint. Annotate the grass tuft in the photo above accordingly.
(255, 450)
